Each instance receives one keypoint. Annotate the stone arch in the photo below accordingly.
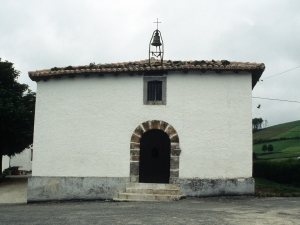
(135, 148)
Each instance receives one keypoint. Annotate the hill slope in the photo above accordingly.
(286, 141)
(287, 130)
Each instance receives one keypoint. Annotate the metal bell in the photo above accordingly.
(156, 40)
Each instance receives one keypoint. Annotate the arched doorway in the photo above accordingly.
(154, 157)
(174, 151)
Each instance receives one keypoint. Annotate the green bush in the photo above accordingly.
(286, 172)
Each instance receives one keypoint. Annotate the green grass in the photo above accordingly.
(291, 133)
(291, 129)
(266, 188)
(282, 149)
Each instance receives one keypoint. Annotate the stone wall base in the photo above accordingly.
(214, 187)
(98, 188)
(74, 188)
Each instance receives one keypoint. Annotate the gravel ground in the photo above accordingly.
(222, 210)
(14, 189)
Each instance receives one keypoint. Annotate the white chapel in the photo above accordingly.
(103, 129)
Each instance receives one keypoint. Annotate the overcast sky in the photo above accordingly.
(41, 34)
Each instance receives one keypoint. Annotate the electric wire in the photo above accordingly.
(280, 73)
(275, 99)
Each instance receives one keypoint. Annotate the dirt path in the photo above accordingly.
(14, 189)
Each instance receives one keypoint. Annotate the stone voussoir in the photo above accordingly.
(134, 146)
(175, 138)
(146, 126)
(170, 131)
(163, 125)
(134, 158)
(134, 152)
(155, 124)
(139, 131)
(135, 138)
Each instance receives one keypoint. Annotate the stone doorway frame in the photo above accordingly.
(135, 148)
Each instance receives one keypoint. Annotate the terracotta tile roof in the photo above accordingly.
(140, 67)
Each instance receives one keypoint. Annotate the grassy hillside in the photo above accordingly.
(291, 129)
(291, 133)
(282, 149)
(288, 147)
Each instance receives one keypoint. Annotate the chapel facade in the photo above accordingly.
(101, 126)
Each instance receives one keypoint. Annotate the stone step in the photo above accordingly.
(153, 191)
(152, 186)
(147, 197)
(128, 200)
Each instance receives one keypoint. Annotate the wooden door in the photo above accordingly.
(154, 157)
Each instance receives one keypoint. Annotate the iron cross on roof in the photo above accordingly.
(157, 23)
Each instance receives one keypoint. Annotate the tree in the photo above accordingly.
(264, 148)
(257, 123)
(270, 148)
(266, 123)
(17, 104)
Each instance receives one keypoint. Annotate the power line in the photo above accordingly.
(274, 99)
(280, 73)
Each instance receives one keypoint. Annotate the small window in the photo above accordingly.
(155, 90)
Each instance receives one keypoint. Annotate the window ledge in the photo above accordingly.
(155, 103)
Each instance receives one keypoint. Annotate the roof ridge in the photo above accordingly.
(144, 66)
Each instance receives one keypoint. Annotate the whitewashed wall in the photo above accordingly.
(23, 160)
(5, 162)
(83, 125)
